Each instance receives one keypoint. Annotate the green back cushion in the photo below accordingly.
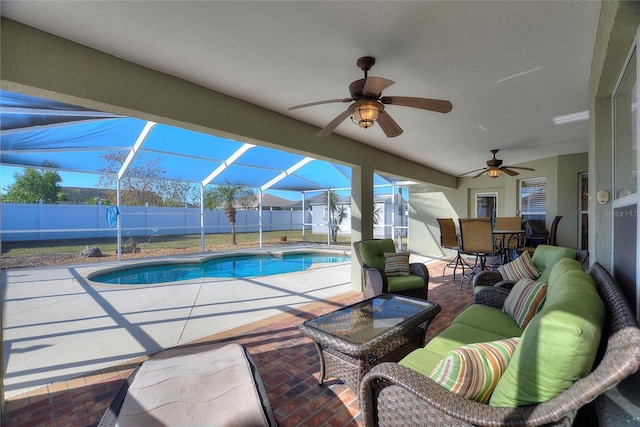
(546, 256)
(372, 251)
(403, 283)
(559, 345)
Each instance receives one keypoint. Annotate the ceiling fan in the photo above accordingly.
(494, 168)
(368, 103)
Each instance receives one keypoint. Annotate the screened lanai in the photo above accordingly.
(41, 133)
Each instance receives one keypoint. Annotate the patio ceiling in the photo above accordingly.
(36, 132)
(515, 71)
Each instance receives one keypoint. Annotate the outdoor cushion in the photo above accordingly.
(424, 360)
(546, 256)
(524, 300)
(559, 345)
(490, 319)
(519, 268)
(189, 386)
(402, 283)
(472, 371)
(372, 251)
(396, 263)
(456, 336)
(421, 360)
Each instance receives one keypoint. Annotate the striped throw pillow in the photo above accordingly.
(524, 300)
(472, 371)
(396, 263)
(519, 268)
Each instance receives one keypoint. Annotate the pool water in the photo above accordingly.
(238, 266)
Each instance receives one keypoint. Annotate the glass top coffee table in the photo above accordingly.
(353, 339)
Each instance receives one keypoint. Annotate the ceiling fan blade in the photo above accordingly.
(328, 101)
(509, 171)
(437, 105)
(475, 170)
(481, 173)
(518, 167)
(374, 86)
(333, 124)
(388, 125)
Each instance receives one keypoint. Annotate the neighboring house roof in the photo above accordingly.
(270, 201)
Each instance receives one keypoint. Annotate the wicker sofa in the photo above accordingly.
(544, 258)
(394, 394)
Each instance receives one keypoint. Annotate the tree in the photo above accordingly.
(227, 197)
(338, 212)
(34, 185)
(143, 183)
(96, 200)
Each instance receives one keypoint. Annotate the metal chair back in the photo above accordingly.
(476, 236)
(553, 231)
(448, 233)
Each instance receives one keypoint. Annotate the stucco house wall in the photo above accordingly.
(430, 202)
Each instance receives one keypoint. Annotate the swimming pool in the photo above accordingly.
(236, 266)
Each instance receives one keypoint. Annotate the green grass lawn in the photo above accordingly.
(160, 242)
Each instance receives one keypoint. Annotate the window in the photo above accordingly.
(533, 198)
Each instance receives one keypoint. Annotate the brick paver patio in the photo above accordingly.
(287, 361)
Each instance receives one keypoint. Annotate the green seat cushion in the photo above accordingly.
(559, 345)
(402, 283)
(457, 335)
(372, 251)
(421, 360)
(489, 319)
(545, 258)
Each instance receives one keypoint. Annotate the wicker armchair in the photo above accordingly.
(394, 395)
(370, 255)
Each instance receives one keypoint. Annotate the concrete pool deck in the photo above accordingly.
(58, 325)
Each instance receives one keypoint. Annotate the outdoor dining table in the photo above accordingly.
(505, 245)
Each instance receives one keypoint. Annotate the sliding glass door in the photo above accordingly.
(625, 182)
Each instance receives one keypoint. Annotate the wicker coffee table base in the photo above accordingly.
(351, 370)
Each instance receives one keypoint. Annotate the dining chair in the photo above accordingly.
(533, 238)
(476, 239)
(450, 239)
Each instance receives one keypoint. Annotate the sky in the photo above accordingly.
(83, 180)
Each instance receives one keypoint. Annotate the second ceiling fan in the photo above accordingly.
(368, 103)
(494, 168)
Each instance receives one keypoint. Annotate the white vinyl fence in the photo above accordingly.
(28, 221)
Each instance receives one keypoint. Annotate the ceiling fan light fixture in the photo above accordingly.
(365, 113)
(494, 173)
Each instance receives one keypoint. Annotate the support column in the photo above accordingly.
(361, 216)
